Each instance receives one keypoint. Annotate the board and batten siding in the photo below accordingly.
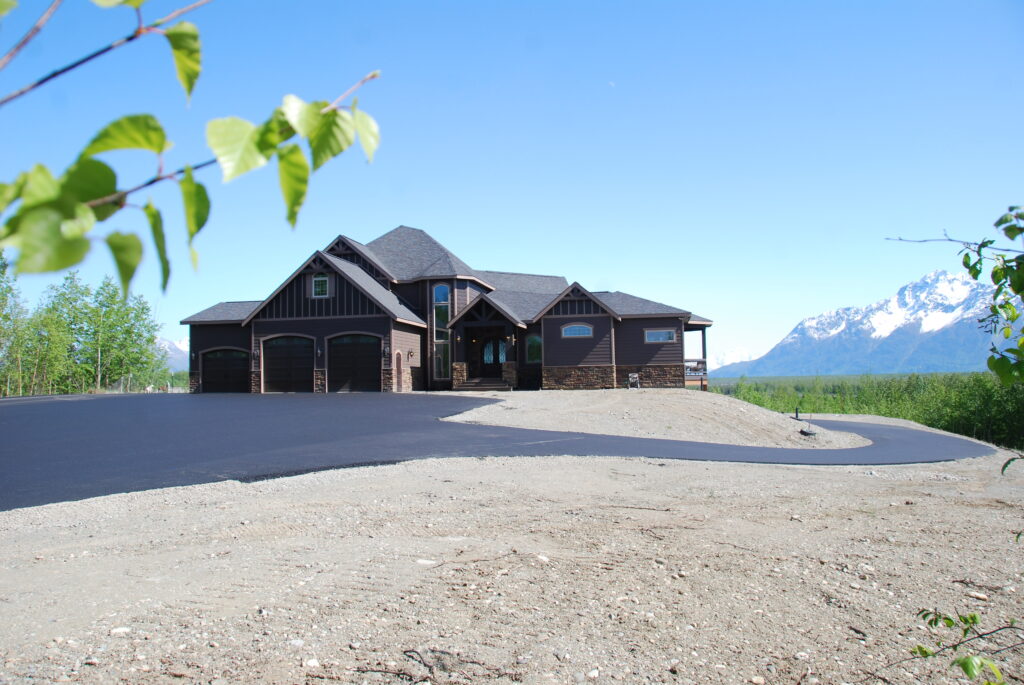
(203, 337)
(322, 329)
(631, 350)
(406, 339)
(595, 351)
(294, 301)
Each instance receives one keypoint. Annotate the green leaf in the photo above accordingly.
(156, 226)
(127, 251)
(233, 142)
(9, 192)
(293, 171)
(197, 204)
(971, 665)
(1013, 231)
(40, 187)
(369, 133)
(304, 117)
(194, 257)
(6, 6)
(273, 132)
(332, 137)
(1003, 220)
(80, 222)
(185, 47)
(133, 132)
(90, 179)
(42, 246)
(107, 4)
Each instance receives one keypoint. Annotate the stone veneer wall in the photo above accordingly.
(458, 373)
(254, 381)
(319, 380)
(193, 381)
(578, 377)
(387, 380)
(667, 376)
(509, 374)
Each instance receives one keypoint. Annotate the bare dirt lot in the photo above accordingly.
(538, 570)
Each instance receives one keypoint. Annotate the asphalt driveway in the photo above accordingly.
(55, 449)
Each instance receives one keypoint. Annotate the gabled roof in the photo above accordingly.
(384, 298)
(575, 284)
(503, 309)
(224, 312)
(524, 283)
(410, 254)
(367, 253)
(369, 286)
(632, 306)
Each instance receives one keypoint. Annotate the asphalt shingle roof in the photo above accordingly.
(523, 283)
(224, 312)
(625, 304)
(387, 300)
(409, 254)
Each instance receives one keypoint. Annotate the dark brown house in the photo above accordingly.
(403, 313)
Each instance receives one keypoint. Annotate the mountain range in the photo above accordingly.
(177, 353)
(930, 325)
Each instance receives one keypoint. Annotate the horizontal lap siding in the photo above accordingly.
(211, 336)
(630, 347)
(406, 339)
(293, 302)
(321, 329)
(595, 351)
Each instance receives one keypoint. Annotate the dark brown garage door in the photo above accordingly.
(353, 363)
(225, 371)
(288, 364)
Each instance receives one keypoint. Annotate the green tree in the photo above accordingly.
(53, 220)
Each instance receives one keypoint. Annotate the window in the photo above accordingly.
(659, 335)
(534, 349)
(320, 285)
(442, 315)
(577, 330)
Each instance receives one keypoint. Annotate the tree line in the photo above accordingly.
(78, 339)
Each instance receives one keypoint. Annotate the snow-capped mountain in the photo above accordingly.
(929, 325)
(177, 353)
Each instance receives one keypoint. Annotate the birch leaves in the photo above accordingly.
(50, 220)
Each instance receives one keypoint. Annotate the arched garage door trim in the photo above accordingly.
(224, 377)
(360, 372)
(290, 377)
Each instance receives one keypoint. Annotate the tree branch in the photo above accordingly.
(152, 28)
(970, 244)
(120, 195)
(341, 98)
(36, 28)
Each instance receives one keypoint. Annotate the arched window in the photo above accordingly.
(577, 330)
(534, 349)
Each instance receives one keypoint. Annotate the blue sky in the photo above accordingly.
(743, 160)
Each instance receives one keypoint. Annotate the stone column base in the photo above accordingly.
(194, 382)
(319, 380)
(509, 374)
(458, 373)
(255, 384)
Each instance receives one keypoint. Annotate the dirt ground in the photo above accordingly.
(533, 570)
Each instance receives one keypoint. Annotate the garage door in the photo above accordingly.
(288, 364)
(225, 371)
(353, 363)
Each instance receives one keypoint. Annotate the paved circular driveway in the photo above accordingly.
(55, 449)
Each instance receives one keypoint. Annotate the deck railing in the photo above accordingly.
(696, 367)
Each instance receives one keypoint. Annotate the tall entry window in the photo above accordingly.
(442, 344)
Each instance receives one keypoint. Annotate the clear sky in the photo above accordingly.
(742, 160)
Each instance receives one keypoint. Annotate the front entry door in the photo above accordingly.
(492, 355)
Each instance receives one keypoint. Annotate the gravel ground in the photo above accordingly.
(674, 414)
(539, 570)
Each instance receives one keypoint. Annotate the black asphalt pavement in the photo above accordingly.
(55, 449)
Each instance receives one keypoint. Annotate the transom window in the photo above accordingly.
(320, 285)
(659, 335)
(577, 330)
